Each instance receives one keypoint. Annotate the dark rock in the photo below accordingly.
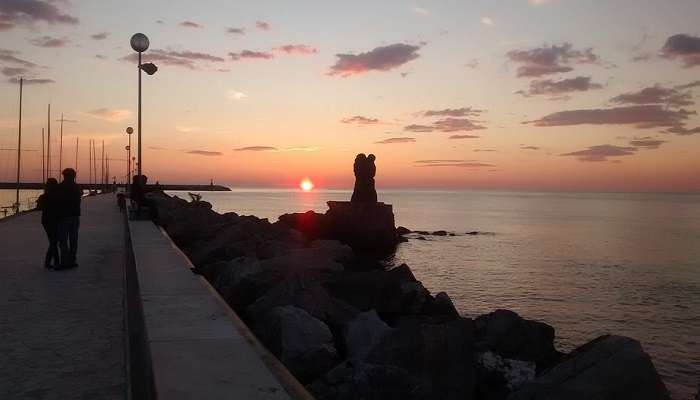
(307, 294)
(402, 231)
(473, 233)
(513, 337)
(697, 396)
(301, 342)
(497, 377)
(355, 380)
(245, 279)
(421, 238)
(609, 367)
(211, 271)
(391, 293)
(422, 232)
(440, 233)
(364, 226)
(362, 333)
(442, 305)
(310, 223)
(440, 355)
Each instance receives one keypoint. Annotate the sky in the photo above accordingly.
(533, 95)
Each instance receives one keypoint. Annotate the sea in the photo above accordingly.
(586, 263)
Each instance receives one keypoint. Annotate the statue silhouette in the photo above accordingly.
(371, 172)
(365, 170)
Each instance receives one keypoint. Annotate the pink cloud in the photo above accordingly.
(360, 120)
(602, 152)
(396, 140)
(297, 49)
(382, 58)
(640, 116)
(547, 60)
(263, 26)
(251, 55)
(190, 24)
(685, 47)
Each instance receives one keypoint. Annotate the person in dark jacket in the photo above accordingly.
(69, 223)
(49, 205)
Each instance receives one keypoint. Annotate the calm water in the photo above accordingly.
(27, 199)
(588, 264)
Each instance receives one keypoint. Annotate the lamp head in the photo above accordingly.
(139, 42)
(129, 130)
(149, 68)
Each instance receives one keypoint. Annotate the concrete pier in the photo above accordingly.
(71, 334)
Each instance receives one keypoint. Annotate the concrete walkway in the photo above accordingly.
(62, 332)
(199, 348)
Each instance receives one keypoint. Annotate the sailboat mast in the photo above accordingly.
(48, 144)
(19, 145)
(60, 149)
(76, 153)
(102, 171)
(90, 160)
(43, 157)
(94, 161)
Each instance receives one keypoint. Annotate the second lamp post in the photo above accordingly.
(139, 42)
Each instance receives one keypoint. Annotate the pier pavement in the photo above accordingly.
(62, 332)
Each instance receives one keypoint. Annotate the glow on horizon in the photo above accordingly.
(262, 94)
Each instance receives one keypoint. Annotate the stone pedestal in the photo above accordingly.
(362, 225)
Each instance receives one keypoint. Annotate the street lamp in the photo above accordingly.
(139, 42)
(129, 131)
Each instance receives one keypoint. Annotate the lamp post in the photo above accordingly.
(129, 131)
(139, 42)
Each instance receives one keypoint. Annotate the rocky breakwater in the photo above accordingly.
(365, 226)
(347, 328)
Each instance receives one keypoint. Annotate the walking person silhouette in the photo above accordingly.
(69, 223)
(49, 204)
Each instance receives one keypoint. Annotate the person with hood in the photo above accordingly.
(49, 204)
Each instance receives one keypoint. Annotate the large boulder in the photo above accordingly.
(505, 332)
(356, 380)
(186, 222)
(363, 333)
(365, 226)
(245, 279)
(607, 368)
(392, 293)
(310, 223)
(497, 377)
(439, 355)
(303, 343)
(442, 305)
(306, 293)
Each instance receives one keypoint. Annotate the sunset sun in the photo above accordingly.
(306, 185)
